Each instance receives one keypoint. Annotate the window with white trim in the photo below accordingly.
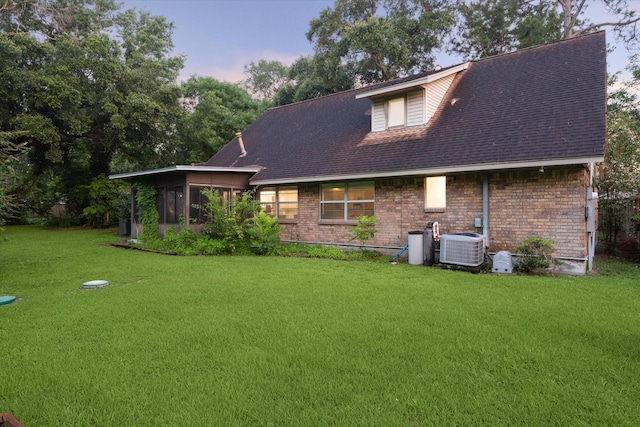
(435, 196)
(347, 201)
(279, 202)
(396, 112)
(407, 109)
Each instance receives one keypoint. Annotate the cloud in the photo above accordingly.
(233, 72)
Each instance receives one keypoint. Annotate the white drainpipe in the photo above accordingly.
(485, 208)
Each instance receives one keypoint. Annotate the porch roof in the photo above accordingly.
(187, 168)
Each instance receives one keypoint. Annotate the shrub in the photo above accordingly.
(229, 221)
(536, 253)
(105, 199)
(182, 242)
(364, 230)
(264, 236)
(208, 246)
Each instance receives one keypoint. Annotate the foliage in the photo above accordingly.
(536, 251)
(379, 39)
(147, 212)
(264, 236)
(623, 24)
(364, 230)
(230, 226)
(216, 111)
(9, 175)
(618, 180)
(264, 78)
(487, 28)
(492, 27)
(110, 90)
(230, 220)
(308, 78)
(106, 200)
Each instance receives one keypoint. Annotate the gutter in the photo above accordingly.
(432, 171)
(185, 168)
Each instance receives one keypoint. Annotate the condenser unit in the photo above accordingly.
(462, 249)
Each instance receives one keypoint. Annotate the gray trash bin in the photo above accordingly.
(416, 250)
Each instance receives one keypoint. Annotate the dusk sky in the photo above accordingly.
(219, 37)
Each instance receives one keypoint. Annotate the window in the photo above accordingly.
(280, 202)
(170, 204)
(346, 202)
(435, 193)
(396, 112)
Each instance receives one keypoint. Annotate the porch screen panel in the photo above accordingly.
(195, 200)
(174, 202)
(160, 205)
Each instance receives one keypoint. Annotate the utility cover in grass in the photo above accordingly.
(7, 300)
(94, 284)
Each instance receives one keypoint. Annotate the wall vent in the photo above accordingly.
(462, 249)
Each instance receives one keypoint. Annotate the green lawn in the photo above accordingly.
(288, 341)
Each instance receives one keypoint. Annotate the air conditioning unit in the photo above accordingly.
(462, 249)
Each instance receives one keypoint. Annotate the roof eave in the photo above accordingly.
(412, 83)
(482, 167)
(185, 168)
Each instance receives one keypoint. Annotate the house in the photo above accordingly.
(504, 146)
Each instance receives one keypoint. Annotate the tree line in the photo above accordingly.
(90, 89)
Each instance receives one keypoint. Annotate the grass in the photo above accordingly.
(238, 340)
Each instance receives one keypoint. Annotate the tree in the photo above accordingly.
(9, 158)
(619, 176)
(491, 27)
(217, 110)
(265, 78)
(379, 39)
(364, 230)
(85, 85)
(574, 25)
(307, 81)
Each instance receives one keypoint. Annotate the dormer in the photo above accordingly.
(409, 103)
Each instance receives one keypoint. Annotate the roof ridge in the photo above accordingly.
(538, 46)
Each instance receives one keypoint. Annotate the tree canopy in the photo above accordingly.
(618, 180)
(217, 111)
(491, 27)
(379, 39)
(82, 83)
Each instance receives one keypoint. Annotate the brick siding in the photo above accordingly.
(550, 204)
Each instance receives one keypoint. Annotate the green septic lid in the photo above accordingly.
(7, 300)
(94, 284)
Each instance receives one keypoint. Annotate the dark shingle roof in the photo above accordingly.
(546, 103)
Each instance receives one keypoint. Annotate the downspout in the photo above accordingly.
(485, 208)
(590, 214)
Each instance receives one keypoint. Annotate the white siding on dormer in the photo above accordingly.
(378, 119)
(415, 108)
(435, 92)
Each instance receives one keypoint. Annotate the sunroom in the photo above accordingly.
(179, 191)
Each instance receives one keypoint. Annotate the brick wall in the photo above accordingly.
(550, 204)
